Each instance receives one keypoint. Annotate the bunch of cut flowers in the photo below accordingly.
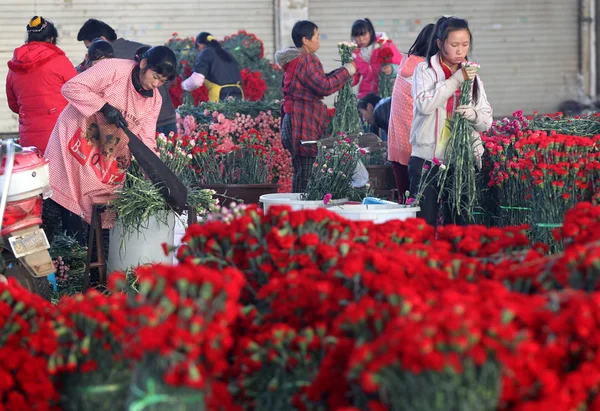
(245, 47)
(385, 83)
(556, 168)
(272, 363)
(139, 200)
(346, 118)
(455, 337)
(26, 342)
(249, 51)
(235, 118)
(91, 369)
(429, 174)
(458, 182)
(331, 176)
(69, 260)
(223, 161)
(179, 334)
(253, 84)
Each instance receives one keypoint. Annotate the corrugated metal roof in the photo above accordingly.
(148, 21)
(527, 49)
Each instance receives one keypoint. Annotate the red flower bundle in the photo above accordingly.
(315, 271)
(385, 82)
(274, 354)
(557, 368)
(253, 84)
(87, 323)
(245, 47)
(200, 95)
(223, 161)
(176, 92)
(179, 327)
(385, 55)
(539, 166)
(91, 328)
(26, 342)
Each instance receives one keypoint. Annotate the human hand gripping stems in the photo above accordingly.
(467, 111)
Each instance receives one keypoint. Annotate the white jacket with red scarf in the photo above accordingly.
(431, 91)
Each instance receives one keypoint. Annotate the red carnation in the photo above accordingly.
(253, 84)
(385, 55)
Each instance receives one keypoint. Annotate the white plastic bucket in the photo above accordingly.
(143, 246)
(293, 200)
(378, 213)
(180, 229)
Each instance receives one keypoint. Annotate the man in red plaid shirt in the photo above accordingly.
(305, 84)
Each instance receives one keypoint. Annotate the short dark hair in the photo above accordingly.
(302, 29)
(160, 59)
(370, 98)
(93, 29)
(362, 26)
(40, 29)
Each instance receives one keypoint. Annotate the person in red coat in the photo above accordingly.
(305, 84)
(36, 74)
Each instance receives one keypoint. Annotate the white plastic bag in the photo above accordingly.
(360, 178)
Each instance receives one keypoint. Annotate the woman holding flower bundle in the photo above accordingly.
(436, 90)
(401, 112)
(305, 84)
(88, 151)
(216, 68)
(375, 57)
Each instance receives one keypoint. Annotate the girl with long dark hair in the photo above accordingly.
(436, 92)
(401, 112)
(371, 46)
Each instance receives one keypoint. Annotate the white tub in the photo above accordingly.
(378, 213)
(293, 200)
(143, 247)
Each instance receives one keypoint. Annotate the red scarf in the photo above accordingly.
(455, 97)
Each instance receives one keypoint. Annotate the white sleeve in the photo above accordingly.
(429, 94)
(193, 82)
